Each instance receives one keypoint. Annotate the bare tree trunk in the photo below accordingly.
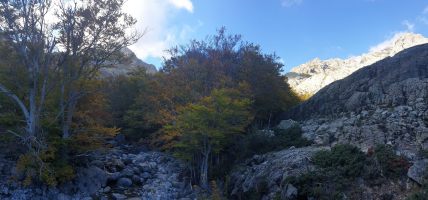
(68, 118)
(32, 121)
(204, 165)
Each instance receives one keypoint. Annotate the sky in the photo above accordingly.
(296, 30)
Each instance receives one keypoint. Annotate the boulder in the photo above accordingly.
(117, 196)
(418, 171)
(124, 182)
(287, 124)
(290, 192)
(271, 170)
(90, 180)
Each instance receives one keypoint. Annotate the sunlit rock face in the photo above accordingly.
(309, 78)
(383, 103)
(127, 64)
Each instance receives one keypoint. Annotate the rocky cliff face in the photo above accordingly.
(385, 103)
(310, 77)
(129, 63)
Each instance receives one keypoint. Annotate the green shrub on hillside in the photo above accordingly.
(260, 143)
(391, 165)
(338, 170)
(346, 159)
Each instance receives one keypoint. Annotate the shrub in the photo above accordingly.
(338, 169)
(392, 166)
(320, 184)
(260, 143)
(49, 166)
(346, 159)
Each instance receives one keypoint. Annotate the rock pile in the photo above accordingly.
(269, 171)
(117, 175)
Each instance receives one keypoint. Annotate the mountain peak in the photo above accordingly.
(312, 76)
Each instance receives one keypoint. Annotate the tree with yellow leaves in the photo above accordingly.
(204, 129)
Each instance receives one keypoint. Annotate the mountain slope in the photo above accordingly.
(129, 63)
(310, 77)
(386, 103)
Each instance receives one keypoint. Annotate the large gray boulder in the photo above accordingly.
(90, 180)
(271, 170)
(287, 124)
(418, 171)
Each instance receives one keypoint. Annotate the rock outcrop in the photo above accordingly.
(269, 171)
(128, 63)
(385, 103)
(309, 78)
(117, 175)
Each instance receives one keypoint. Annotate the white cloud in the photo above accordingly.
(387, 43)
(410, 27)
(186, 4)
(154, 17)
(290, 3)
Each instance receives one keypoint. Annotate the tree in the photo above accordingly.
(83, 37)
(224, 60)
(24, 26)
(205, 128)
(92, 34)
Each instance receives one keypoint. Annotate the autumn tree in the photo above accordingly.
(225, 60)
(59, 45)
(204, 129)
(92, 34)
(55, 50)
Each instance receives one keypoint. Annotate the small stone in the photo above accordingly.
(113, 176)
(107, 189)
(124, 182)
(146, 175)
(118, 196)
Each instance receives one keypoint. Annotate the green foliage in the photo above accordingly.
(207, 127)
(216, 117)
(420, 195)
(339, 168)
(346, 159)
(321, 184)
(392, 166)
(224, 60)
(258, 142)
(49, 167)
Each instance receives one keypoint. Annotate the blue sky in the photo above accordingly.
(296, 30)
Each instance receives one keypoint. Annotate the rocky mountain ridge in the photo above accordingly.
(309, 78)
(386, 102)
(127, 64)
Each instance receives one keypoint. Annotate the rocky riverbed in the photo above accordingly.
(116, 175)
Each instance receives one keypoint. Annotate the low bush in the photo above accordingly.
(338, 170)
(259, 142)
(345, 159)
(391, 165)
